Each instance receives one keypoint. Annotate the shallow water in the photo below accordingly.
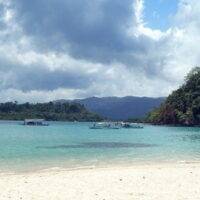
(72, 145)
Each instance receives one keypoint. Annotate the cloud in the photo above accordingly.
(51, 49)
(94, 31)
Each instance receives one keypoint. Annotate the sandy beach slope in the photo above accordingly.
(153, 182)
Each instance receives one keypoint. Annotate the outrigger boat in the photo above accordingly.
(105, 125)
(131, 125)
(115, 125)
(35, 122)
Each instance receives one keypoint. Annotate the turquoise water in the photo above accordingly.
(72, 145)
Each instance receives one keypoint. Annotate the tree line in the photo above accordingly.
(49, 111)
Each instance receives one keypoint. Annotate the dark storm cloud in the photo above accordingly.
(39, 77)
(92, 30)
(43, 79)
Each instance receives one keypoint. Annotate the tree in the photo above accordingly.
(183, 105)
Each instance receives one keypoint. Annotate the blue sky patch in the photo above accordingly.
(157, 13)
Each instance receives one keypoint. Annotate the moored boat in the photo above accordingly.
(131, 125)
(105, 125)
(35, 122)
(115, 125)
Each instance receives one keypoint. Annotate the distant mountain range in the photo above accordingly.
(119, 108)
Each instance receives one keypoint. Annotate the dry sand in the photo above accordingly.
(144, 182)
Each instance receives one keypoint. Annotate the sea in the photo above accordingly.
(73, 145)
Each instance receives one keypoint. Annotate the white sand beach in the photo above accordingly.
(144, 182)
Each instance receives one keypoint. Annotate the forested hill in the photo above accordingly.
(48, 111)
(182, 107)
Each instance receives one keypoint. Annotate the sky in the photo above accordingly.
(66, 49)
(158, 14)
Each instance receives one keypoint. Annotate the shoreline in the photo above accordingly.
(172, 181)
(100, 166)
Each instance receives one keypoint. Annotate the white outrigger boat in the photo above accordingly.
(105, 125)
(35, 122)
(131, 125)
(115, 125)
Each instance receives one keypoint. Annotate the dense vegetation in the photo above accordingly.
(48, 111)
(182, 107)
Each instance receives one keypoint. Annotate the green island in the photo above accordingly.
(182, 107)
(48, 111)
